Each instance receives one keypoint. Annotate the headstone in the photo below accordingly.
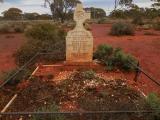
(79, 41)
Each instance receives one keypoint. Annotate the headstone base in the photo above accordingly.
(79, 63)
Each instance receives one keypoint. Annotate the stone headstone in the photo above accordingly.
(79, 41)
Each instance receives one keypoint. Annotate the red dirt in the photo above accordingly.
(146, 48)
(8, 45)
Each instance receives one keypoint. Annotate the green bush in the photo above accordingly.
(157, 26)
(46, 38)
(12, 27)
(123, 60)
(19, 28)
(103, 52)
(154, 102)
(118, 14)
(102, 21)
(114, 58)
(49, 108)
(24, 74)
(121, 28)
(138, 21)
(5, 28)
(89, 74)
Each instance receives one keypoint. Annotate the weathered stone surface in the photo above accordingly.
(79, 41)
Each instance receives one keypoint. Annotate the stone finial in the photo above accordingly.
(80, 16)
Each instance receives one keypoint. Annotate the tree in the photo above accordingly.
(156, 4)
(44, 17)
(96, 12)
(61, 8)
(13, 14)
(31, 16)
(122, 3)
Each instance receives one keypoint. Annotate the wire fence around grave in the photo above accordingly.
(29, 65)
(87, 115)
(93, 115)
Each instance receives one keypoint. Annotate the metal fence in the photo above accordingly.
(90, 115)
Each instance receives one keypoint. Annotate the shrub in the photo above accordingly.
(138, 21)
(49, 108)
(46, 38)
(157, 26)
(121, 28)
(122, 60)
(154, 102)
(102, 21)
(114, 58)
(118, 14)
(17, 78)
(89, 74)
(5, 28)
(20, 28)
(12, 28)
(103, 52)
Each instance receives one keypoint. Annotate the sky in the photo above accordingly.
(38, 5)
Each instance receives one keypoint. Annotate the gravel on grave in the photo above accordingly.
(79, 93)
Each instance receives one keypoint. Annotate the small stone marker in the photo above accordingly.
(79, 41)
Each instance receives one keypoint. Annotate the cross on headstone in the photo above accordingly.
(80, 16)
(79, 41)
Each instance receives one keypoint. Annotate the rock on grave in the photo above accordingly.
(79, 41)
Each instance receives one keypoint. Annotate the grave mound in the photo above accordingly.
(80, 91)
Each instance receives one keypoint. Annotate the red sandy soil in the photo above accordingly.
(146, 48)
(9, 43)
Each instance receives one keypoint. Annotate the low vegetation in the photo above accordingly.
(157, 26)
(121, 28)
(138, 21)
(89, 74)
(13, 77)
(153, 101)
(12, 27)
(48, 108)
(102, 21)
(114, 58)
(42, 38)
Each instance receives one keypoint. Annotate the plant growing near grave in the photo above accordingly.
(89, 74)
(24, 74)
(121, 28)
(49, 108)
(154, 102)
(114, 58)
(46, 38)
